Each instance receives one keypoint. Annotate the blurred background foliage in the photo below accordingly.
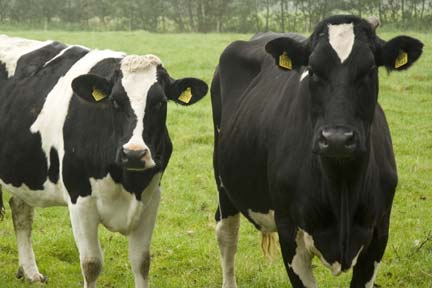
(243, 16)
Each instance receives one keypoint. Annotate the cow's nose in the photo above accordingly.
(134, 159)
(337, 142)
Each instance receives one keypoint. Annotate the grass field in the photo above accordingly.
(184, 249)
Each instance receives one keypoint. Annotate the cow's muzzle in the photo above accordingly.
(337, 142)
(134, 160)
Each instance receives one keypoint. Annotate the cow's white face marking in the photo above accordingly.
(11, 49)
(370, 284)
(341, 38)
(265, 221)
(50, 124)
(139, 74)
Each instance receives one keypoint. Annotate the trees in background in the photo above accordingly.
(207, 15)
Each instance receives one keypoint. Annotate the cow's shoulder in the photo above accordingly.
(243, 60)
(32, 62)
(383, 148)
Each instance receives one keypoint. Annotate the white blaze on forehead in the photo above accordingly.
(139, 74)
(50, 120)
(12, 48)
(341, 38)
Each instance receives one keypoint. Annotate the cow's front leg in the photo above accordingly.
(297, 259)
(139, 243)
(85, 221)
(365, 271)
(22, 216)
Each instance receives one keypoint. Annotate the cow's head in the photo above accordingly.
(136, 93)
(341, 60)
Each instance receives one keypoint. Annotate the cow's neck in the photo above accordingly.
(342, 181)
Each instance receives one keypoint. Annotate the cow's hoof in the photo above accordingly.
(20, 273)
(37, 278)
(34, 278)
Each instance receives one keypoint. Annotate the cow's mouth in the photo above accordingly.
(138, 165)
(136, 169)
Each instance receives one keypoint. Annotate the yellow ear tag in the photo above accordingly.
(285, 61)
(401, 60)
(186, 95)
(97, 94)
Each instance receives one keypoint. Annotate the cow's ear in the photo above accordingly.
(288, 53)
(186, 91)
(399, 53)
(92, 88)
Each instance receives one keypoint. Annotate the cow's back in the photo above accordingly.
(249, 97)
(25, 81)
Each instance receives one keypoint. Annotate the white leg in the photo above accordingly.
(227, 236)
(302, 260)
(22, 216)
(139, 243)
(85, 221)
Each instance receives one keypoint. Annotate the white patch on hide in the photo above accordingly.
(304, 75)
(370, 284)
(50, 120)
(265, 221)
(12, 48)
(119, 210)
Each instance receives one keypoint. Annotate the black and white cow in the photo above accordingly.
(86, 129)
(302, 147)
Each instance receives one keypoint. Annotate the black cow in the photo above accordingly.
(86, 129)
(302, 147)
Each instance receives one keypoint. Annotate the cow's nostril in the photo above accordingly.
(323, 142)
(128, 154)
(143, 153)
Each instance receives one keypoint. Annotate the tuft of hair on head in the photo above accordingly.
(137, 63)
(268, 244)
(2, 210)
(374, 22)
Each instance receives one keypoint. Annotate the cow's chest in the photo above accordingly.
(118, 209)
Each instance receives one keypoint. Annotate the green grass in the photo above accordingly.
(184, 249)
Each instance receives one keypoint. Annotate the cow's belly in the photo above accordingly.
(118, 209)
(51, 195)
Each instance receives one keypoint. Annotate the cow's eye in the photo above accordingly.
(368, 73)
(372, 70)
(158, 105)
(116, 104)
(316, 76)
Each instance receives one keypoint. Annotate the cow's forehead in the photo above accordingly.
(139, 73)
(341, 38)
(337, 42)
(139, 63)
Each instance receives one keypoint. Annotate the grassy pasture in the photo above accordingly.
(184, 249)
